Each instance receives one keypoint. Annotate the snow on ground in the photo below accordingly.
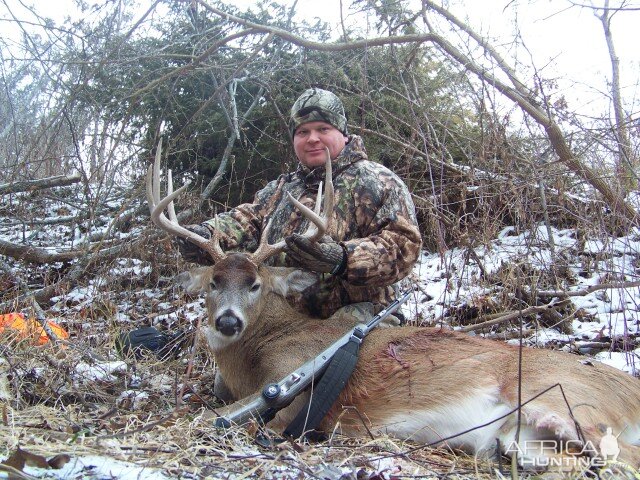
(446, 281)
(453, 279)
(604, 322)
(97, 467)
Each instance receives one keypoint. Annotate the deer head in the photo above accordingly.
(237, 285)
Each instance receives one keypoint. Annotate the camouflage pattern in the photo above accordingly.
(374, 219)
(317, 105)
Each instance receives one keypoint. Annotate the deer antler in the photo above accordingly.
(171, 225)
(318, 224)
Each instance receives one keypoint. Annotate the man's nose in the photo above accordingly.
(313, 136)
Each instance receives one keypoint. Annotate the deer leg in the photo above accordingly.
(220, 389)
(360, 312)
(285, 416)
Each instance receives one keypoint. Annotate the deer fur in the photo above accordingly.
(421, 384)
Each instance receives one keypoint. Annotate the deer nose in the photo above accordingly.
(228, 324)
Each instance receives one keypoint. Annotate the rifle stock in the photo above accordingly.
(252, 407)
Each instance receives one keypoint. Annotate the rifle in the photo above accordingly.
(264, 405)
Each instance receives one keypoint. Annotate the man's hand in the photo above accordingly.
(324, 256)
(192, 252)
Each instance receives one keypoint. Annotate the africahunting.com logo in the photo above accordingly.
(578, 456)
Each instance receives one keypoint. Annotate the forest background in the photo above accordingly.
(490, 135)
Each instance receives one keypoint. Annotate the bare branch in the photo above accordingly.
(206, 193)
(515, 314)
(516, 94)
(588, 290)
(41, 184)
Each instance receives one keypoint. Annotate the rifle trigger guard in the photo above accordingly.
(358, 334)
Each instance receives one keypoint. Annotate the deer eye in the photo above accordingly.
(255, 287)
(212, 286)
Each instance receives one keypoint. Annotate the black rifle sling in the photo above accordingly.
(326, 391)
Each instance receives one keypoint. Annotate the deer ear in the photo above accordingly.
(195, 280)
(287, 280)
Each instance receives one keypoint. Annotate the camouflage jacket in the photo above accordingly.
(374, 218)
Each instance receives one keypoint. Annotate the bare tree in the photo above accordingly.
(516, 91)
(216, 82)
(626, 162)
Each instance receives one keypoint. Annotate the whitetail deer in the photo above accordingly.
(422, 384)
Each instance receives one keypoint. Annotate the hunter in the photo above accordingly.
(374, 240)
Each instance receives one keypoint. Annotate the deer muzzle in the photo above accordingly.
(228, 324)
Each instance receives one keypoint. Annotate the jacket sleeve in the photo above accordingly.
(241, 226)
(390, 242)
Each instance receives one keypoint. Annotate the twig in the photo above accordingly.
(512, 315)
(39, 315)
(491, 422)
(588, 290)
(187, 373)
(364, 424)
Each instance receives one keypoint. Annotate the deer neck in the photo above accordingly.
(246, 365)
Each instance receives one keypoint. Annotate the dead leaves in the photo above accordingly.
(19, 459)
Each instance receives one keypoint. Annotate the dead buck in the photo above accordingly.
(421, 384)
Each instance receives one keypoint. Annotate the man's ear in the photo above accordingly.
(194, 281)
(286, 280)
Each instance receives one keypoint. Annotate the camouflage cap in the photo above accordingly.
(317, 105)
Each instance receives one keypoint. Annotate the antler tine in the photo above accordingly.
(265, 250)
(171, 225)
(318, 225)
(170, 208)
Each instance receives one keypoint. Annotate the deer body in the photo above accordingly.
(426, 384)
(422, 384)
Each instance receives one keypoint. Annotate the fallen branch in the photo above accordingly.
(550, 306)
(70, 280)
(31, 185)
(515, 314)
(101, 257)
(37, 255)
(81, 267)
(48, 221)
(588, 290)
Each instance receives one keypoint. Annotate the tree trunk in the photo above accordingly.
(625, 162)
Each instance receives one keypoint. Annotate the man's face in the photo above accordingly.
(310, 140)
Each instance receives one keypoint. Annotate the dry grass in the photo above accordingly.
(186, 445)
(148, 413)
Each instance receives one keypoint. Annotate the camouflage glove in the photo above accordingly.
(324, 256)
(192, 252)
